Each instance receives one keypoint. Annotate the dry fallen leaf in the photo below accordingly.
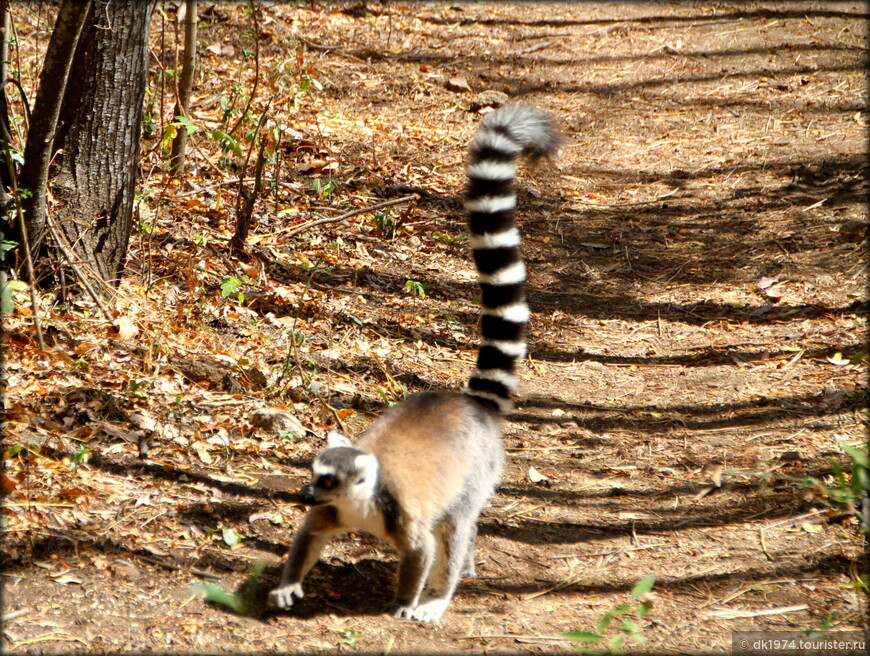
(458, 84)
(126, 328)
(201, 449)
(535, 476)
(764, 283)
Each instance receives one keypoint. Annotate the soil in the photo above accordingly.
(698, 270)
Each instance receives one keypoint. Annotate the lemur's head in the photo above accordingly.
(341, 474)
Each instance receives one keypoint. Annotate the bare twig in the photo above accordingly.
(639, 202)
(70, 257)
(347, 215)
(25, 243)
(763, 544)
(507, 635)
(791, 520)
(226, 183)
(177, 568)
(23, 95)
(612, 552)
(256, 31)
(739, 614)
(245, 210)
(13, 614)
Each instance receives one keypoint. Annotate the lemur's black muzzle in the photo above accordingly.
(306, 495)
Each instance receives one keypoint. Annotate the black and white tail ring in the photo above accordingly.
(490, 201)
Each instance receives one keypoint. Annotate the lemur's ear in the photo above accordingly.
(367, 465)
(335, 439)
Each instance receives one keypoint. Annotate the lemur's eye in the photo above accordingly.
(361, 481)
(327, 481)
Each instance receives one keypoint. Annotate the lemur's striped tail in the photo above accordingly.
(490, 201)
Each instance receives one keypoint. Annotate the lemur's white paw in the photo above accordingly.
(430, 610)
(283, 597)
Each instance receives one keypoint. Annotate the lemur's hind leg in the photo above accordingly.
(453, 535)
(469, 568)
(414, 570)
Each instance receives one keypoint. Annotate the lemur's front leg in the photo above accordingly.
(318, 529)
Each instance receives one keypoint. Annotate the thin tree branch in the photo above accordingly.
(70, 257)
(25, 243)
(253, 9)
(347, 215)
(226, 183)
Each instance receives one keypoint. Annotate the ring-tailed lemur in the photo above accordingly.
(423, 472)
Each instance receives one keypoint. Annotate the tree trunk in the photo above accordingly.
(46, 110)
(185, 86)
(99, 130)
(6, 139)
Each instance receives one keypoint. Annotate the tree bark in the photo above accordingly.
(99, 130)
(6, 140)
(185, 87)
(46, 110)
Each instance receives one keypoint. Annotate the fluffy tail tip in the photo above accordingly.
(532, 128)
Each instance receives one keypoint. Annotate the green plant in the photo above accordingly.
(137, 388)
(858, 582)
(231, 287)
(827, 623)
(144, 229)
(227, 142)
(281, 71)
(7, 291)
(6, 245)
(81, 456)
(323, 190)
(231, 536)
(402, 394)
(15, 155)
(415, 288)
(850, 492)
(240, 602)
(149, 125)
(385, 223)
(171, 130)
(847, 492)
(15, 449)
(348, 637)
(628, 627)
(444, 238)
(309, 81)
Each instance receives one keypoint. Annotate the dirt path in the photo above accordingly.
(698, 287)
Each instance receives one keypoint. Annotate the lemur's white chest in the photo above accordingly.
(362, 516)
